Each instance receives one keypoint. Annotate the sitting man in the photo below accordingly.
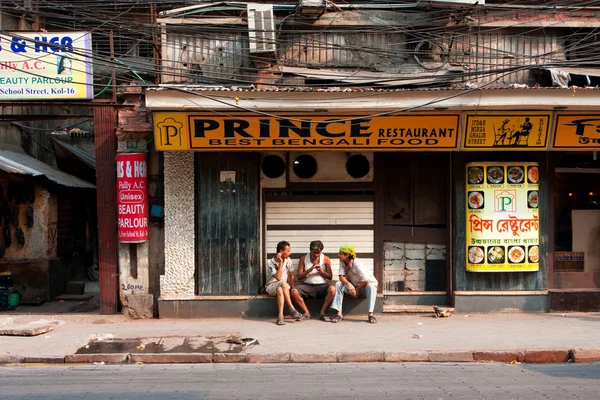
(279, 270)
(314, 279)
(355, 280)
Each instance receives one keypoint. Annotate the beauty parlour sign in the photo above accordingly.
(132, 197)
(45, 66)
(183, 131)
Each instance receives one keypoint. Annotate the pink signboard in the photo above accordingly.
(132, 197)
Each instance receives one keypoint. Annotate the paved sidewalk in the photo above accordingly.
(477, 337)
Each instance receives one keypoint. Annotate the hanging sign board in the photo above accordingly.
(132, 198)
(45, 66)
(577, 132)
(502, 217)
(506, 131)
(181, 131)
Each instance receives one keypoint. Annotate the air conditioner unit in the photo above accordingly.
(261, 28)
(332, 166)
(273, 170)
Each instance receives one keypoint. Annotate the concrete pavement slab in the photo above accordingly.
(393, 335)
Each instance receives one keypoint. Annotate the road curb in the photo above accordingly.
(538, 356)
(585, 355)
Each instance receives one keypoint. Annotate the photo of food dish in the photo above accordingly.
(516, 254)
(496, 254)
(534, 254)
(515, 174)
(495, 175)
(476, 254)
(475, 175)
(476, 200)
(533, 175)
(532, 199)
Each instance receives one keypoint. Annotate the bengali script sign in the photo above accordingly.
(44, 65)
(577, 132)
(182, 131)
(502, 217)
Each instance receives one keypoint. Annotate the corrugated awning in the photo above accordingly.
(18, 163)
(572, 76)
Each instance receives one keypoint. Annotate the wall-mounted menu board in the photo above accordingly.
(502, 216)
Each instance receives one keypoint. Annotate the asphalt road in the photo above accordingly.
(299, 381)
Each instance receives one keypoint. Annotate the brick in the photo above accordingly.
(276, 358)
(393, 254)
(394, 265)
(392, 245)
(115, 358)
(414, 246)
(415, 264)
(314, 358)
(229, 358)
(415, 254)
(451, 356)
(585, 355)
(406, 357)
(546, 356)
(171, 358)
(44, 360)
(369, 356)
(414, 275)
(496, 356)
(417, 286)
(5, 359)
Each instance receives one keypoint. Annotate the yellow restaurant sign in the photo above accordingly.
(184, 131)
(577, 132)
(503, 227)
(506, 131)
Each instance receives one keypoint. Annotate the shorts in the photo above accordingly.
(316, 290)
(271, 287)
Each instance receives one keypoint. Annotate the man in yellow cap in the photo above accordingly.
(356, 280)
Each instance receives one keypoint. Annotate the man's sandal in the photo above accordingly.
(280, 321)
(325, 318)
(297, 316)
(335, 319)
(372, 319)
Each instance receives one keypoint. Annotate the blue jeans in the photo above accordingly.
(369, 291)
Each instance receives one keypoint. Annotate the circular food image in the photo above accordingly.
(534, 254)
(515, 174)
(475, 199)
(516, 254)
(475, 175)
(533, 174)
(532, 199)
(476, 254)
(496, 254)
(495, 175)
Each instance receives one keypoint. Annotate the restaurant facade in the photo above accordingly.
(464, 202)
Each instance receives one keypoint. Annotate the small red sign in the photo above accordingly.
(132, 197)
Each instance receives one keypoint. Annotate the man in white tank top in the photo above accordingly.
(314, 270)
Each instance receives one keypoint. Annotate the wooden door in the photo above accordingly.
(227, 223)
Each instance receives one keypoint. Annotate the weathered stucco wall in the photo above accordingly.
(178, 280)
(41, 239)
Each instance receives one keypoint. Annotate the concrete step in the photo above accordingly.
(395, 308)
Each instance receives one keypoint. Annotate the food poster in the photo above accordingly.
(503, 225)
